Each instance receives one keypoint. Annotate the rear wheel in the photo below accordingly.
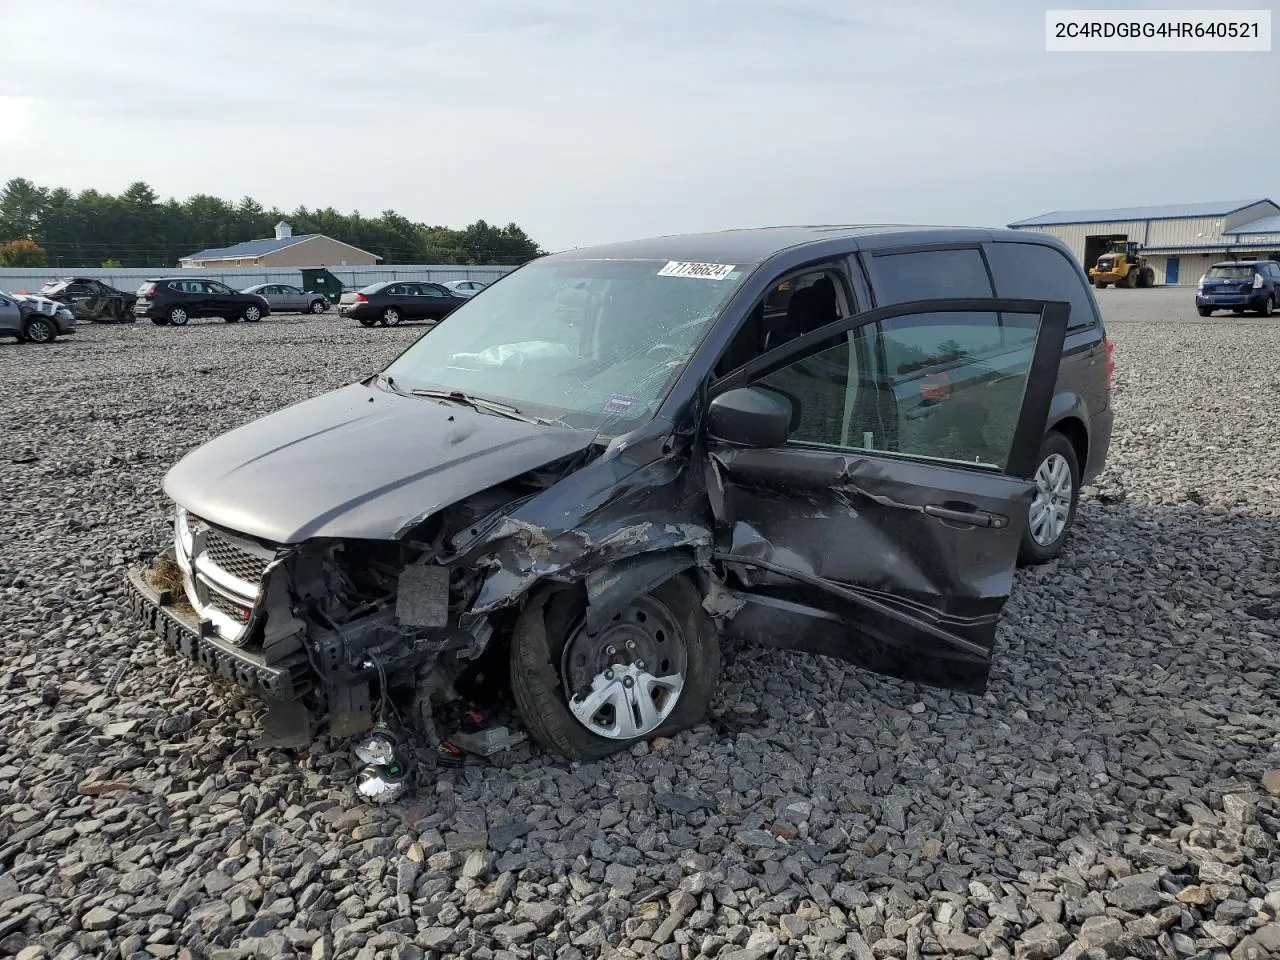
(1147, 278)
(391, 317)
(1204, 311)
(319, 306)
(650, 671)
(1053, 508)
(1268, 305)
(39, 330)
(178, 316)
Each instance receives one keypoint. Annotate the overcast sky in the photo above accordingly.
(595, 121)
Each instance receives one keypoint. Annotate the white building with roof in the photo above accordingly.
(1180, 240)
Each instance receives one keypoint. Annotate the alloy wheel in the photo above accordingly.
(40, 330)
(1051, 506)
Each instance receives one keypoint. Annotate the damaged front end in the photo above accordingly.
(371, 636)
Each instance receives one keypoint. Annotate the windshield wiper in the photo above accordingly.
(477, 403)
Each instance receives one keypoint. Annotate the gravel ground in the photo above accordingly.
(1109, 797)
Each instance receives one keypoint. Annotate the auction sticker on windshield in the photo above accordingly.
(699, 271)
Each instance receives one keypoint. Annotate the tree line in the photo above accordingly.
(41, 226)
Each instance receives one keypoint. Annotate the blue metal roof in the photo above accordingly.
(1261, 225)
(250, 248)
(1173, 211)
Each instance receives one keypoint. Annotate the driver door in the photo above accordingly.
(885, 529)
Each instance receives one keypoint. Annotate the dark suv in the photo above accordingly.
(175, 300)
(836, 439)
(92, 300)
(1240, 285)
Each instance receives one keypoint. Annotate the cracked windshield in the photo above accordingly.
(582, 343)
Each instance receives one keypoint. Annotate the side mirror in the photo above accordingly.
(749, 417)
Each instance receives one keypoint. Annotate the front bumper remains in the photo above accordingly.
(166, 613)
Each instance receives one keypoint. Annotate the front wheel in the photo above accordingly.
(1268, 306)
(1053, 508)
(319, 306)
(1130, 279)
(252, 313)
(40, 330)
(650, 671)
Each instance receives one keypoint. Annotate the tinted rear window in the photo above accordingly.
(929, 275)
(1036, 272)
(1231, 273)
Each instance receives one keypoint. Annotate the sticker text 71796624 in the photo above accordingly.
(698, 271)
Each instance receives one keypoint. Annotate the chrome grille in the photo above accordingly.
(233, 559)
(232, 609)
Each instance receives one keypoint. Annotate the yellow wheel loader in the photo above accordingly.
(1122, 265)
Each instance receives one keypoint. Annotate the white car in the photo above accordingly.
(465, 288)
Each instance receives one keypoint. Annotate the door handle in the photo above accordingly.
(975, 518)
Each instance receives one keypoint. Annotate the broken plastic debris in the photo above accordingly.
(485, 743)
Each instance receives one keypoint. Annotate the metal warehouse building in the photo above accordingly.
(1180, 241)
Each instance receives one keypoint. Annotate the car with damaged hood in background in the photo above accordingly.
(92, 301)
(618, 456)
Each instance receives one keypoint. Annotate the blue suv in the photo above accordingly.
(1240, 285)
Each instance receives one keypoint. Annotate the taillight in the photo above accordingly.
(1257, 281)
(361, 298)
(1111, 361)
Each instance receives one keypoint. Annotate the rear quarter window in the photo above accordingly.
(1033, 271)
(929, 275)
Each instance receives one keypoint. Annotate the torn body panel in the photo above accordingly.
(861, 557)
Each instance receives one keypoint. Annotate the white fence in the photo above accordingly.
(30, 279)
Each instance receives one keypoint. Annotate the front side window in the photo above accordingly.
(586, 342)
(938, 386)
(930, 275)
(213, 287)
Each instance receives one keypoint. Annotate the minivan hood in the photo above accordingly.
(358, 462)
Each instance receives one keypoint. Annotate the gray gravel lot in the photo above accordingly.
(1109, 796)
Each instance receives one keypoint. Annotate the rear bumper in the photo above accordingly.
(1244, 301)
(175, 623)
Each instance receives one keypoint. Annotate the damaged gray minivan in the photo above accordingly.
(835, 439)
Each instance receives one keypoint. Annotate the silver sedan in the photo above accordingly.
(285, 298)
(465, 288)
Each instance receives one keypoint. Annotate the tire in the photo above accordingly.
(1147, 278)
(252, 313)
(39, 329)
(1041, 549)
(391, 317)
(319, 306)
(1204, 311)
(178, 316)
(1268, 306)
(1130, 279)
(1100, 285)
(367, 321)
(553, 618)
